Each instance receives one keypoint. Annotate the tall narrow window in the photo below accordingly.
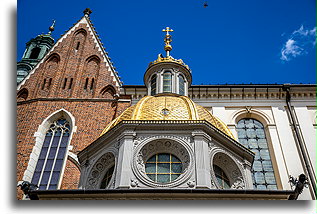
(65, 82)
(49, 83)
(52, 155)
(71, 83)
(86, 83)
(92, 83)
(77, 46)
(181, 85)
(153, 85)
(167, 82)
(44, 83)
(251, 134)
(35, 53)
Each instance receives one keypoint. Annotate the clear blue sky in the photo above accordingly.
(234, 42)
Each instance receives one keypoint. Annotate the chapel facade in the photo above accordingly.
(82, 134)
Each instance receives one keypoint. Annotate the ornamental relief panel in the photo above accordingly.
(101, 166)
(231, 166)
(155, 145)
(147, 138)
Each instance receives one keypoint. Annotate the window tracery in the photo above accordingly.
(52, 155)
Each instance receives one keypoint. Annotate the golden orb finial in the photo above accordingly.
(168, 40)
(51, 28)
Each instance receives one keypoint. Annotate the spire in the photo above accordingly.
(168, 40)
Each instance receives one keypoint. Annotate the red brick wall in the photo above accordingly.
(92, 114)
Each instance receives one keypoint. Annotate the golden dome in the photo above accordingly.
(168, 107)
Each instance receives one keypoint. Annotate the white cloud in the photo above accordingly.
(298, 43)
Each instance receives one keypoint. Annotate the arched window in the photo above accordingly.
(181, 85)
(251, 134)
(222, 178)
(153, 85)
(35, 53)
(106, 179)
(163, 168)
(167, 82)
(51, 158)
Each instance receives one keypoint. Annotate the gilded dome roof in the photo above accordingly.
(168, 107)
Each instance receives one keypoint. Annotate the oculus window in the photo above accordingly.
(251, 134)
(52, 155)
(163, 168)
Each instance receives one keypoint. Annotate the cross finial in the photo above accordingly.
(167, 40)
(167, 30)
(87, 12)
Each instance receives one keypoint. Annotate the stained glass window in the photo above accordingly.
(222, 178)
(251, 134)
(181, 85)
(153, 85)
(52, 155)
(106, 179)
(163, 168)
(167, 82)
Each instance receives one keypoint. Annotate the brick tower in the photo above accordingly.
(63, 105)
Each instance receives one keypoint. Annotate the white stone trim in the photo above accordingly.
(39, 139)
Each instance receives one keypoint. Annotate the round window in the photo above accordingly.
(222, 178)
(163, 168)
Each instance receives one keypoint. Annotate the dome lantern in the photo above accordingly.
(166, 74)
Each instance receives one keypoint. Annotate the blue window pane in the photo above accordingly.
(249, 124)
(175, 159)
(47, 140)
(49, 164)
(262, 143)
(272, 187)
(260, 133)
(55, 141)
(259, 177)
(176, 168)
(52, 186)
(264, 153)
(261, 187)
(58, 164)
(242, 133)
(253, 143)
(257, 124)
(61, 122)
(39, 165)
(240, 124)
(55, 177)
(52, 153)
(45, 177)
(42, 187)
(163, 158)
(150, 168)
(270, 178)
(61, 153)
(64, 141)
(163, 178)
(174, 176)
(257, 166)
(43, 153)
(251, 133)
(36, 177)
(163, 168)
(152, 176)
(152, 159)
(267, 165)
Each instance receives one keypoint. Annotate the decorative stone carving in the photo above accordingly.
(191, 184)
(134, 183)
(157, 144)
(230, 166)
(98, 169)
